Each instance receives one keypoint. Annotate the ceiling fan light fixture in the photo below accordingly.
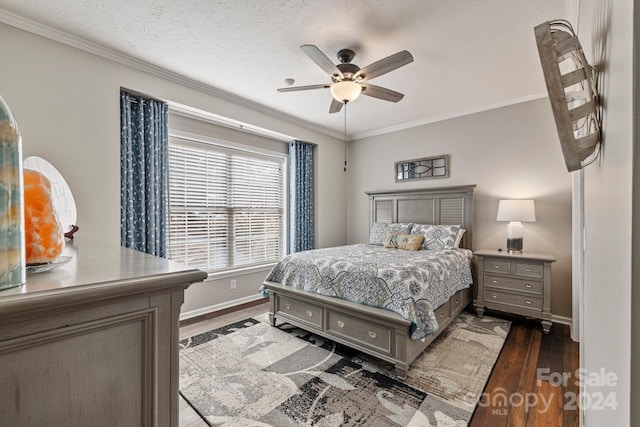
(347, 77)
(345, 91)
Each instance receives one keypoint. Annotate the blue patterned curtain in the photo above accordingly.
(144, 176)
(301, 199)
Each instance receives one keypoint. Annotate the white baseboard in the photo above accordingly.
(562, 320)
(217, 307)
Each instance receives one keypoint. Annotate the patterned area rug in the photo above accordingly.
(252, 374)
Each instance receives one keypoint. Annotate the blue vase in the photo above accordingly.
(12, 248)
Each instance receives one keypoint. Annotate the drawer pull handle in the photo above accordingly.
(528, 302)
(528, 270)
(287, 306)
(497, 267)
(372, 334)
(455, 301)
(340, 324)
(441, 315)
(495, 282)
(309, 313)
(528, 285)
(494, 296)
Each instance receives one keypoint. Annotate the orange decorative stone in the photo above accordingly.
(44, 237)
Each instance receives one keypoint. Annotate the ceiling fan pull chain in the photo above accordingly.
(345, 136)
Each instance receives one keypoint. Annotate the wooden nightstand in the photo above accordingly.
(518, 283)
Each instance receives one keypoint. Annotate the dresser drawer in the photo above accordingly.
(359, 331)
(509, 282)
(517, 300)
(497, 265)
(531, 269)
(300, 310)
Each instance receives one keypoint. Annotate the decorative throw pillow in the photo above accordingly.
(379, 231)
(410, 242)
(437, 237)
(391, 241)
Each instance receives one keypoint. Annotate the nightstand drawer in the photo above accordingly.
(497, 265)
(531, 269)
(508, 282)
(517, 283)
(532, 303)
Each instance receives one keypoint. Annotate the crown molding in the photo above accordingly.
(447, 116)
(65, 38)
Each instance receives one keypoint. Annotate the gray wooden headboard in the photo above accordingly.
(443, 205)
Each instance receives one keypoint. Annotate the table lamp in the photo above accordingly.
(516, 212)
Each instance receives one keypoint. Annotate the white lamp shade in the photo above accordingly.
(516, 210)
(345, 91)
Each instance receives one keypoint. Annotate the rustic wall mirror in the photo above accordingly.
(427, 167)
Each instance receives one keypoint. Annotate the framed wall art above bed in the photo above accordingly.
(387, 302)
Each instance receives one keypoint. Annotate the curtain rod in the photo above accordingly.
(216, 119)
(135, 95)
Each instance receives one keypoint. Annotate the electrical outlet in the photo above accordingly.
(233, 283)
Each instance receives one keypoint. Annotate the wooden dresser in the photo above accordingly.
(518, 283)
(93, 342)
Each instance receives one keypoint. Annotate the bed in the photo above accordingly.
(395, 336)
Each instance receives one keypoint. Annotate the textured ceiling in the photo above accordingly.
(469, 54)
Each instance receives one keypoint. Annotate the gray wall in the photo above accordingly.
(66, 102)
(510, 152)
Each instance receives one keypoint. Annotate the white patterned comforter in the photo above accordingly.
(409, 283)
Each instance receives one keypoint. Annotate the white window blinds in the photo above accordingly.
(226, 206)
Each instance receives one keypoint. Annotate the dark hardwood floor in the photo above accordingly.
(533, 382)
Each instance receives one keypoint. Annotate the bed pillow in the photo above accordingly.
(456, 244)
(400, 227)
(410, 242)
(379, 231)
(437, 237)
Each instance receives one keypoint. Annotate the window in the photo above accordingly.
(227, 206)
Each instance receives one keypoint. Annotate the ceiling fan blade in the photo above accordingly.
(381, 93)
(335, 106)
(384, 65)
(297, 88)
(321, 60)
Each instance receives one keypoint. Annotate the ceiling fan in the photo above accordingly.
(349, 80)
